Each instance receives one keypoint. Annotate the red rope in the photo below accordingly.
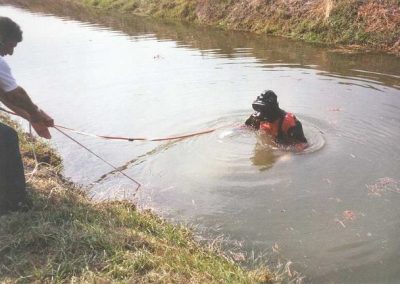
(57, 127)
(126, 138)
(137, 138)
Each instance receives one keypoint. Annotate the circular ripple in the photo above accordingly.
(232, 155)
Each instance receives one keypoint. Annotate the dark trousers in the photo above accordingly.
(12, 178)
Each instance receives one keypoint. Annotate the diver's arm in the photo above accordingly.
(297, 135)
(253, 121)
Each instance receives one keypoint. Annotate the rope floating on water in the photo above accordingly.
(130, 139)
(59, 127)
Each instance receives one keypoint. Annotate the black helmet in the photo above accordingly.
(266, 101)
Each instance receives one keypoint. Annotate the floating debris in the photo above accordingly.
(348, 215)
(158, 57)
(287, 268)
(340, 222)
(383, 185)
(335, 109)
(275, 248)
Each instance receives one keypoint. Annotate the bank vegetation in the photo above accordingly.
(68, 238)
(365, 24)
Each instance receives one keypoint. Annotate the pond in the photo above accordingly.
(332, 210)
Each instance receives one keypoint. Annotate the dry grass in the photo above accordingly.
(373, 24)
(366, 24)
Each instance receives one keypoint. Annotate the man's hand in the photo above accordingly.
(19, 101)
(40, 122)
(41, 117)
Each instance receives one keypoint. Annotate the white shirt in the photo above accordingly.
(7, 81)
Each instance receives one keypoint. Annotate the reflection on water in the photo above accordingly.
(332, 210)
(268, 52)
(264, 157)
(267, 152)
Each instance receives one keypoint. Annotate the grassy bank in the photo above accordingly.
(364, 24)
(66, 237)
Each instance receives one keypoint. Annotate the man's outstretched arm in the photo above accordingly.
(19, 101)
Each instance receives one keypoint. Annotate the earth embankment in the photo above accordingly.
(365, 24)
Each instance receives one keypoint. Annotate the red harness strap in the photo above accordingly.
(288, 122)
(272, 128)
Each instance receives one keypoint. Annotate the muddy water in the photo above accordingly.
(332, 210)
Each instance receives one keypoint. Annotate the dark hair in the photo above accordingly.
(9, 30)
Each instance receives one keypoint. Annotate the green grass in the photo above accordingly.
(66, 237)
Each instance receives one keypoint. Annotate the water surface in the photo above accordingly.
(332, 210)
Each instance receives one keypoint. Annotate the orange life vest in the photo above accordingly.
(273, 128)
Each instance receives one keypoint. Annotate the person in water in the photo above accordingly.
(13, 195)
(282, 126)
